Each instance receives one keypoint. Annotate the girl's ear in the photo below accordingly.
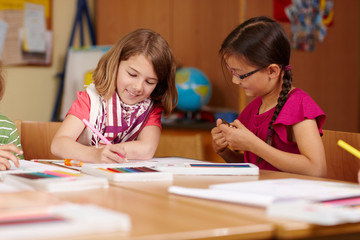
(274, 71)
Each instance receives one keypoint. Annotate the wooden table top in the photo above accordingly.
(157, 214)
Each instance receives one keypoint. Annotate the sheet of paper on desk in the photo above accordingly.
(224, 196)
(253, 192)
(164, 161)
(296, 199)
(61, 221)
(291, 188)
(165, 167)
(6, 188)
(62, 164)
(314, 212)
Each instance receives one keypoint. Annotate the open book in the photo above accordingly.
(280, 196)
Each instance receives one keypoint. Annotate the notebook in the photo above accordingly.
(211, 169)
(54, 181)
(119, 173)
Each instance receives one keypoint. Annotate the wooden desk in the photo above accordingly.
(284, 229)
(155, 217)
(156, 214)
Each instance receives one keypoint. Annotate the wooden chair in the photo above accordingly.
(341, 165)
(36, 138)
(187, 146)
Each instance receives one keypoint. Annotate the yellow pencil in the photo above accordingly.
(349, 148)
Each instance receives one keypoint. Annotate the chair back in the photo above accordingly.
(36, 138)
(341, 165)
(186, 146)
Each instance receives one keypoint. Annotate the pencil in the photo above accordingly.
(46, 160)
(349, 148)
(100, 135)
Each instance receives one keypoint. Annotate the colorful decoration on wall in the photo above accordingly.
(279, 10)
(309, 21)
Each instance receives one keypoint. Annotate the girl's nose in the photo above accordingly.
(236, 80)
(137, 86)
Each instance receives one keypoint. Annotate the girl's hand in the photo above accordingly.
(219, 142)
(7, 154)
(110, 154)
(238, 136)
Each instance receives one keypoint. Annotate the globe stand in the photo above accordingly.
(189, 118)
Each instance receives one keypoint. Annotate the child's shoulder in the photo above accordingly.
(300, 100)
(299, 95)
(6, 125)
(5, 119)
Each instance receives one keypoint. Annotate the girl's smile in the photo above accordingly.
(136, 79)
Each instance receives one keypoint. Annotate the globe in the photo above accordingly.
(194, 89)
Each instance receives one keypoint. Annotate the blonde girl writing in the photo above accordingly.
(134, 83)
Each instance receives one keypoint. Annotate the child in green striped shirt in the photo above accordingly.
(10, 146)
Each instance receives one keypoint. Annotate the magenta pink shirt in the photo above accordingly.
(80, 108)
(298, 107)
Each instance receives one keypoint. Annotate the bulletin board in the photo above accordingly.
(25, 32)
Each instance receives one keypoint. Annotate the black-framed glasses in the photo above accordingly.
(243, 75)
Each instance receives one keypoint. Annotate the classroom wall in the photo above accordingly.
(193, 29)
(31, 90)
(330, 74)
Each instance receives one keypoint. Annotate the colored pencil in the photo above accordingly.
(86, 122)
(349, 148)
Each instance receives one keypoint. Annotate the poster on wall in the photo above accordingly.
(309, 21)
(25, 34)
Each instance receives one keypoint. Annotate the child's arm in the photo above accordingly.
(64, 144)
(310, 161)
(7, 154)
(144, 147)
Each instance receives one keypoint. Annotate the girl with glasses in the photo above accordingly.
(281, 128)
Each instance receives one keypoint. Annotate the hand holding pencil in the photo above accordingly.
(86, 122)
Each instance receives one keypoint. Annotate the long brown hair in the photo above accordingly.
(262, 41)
(153, 46)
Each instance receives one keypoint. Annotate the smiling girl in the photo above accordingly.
(281, 128)
(134, 83)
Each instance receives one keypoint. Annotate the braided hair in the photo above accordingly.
(262, 41)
